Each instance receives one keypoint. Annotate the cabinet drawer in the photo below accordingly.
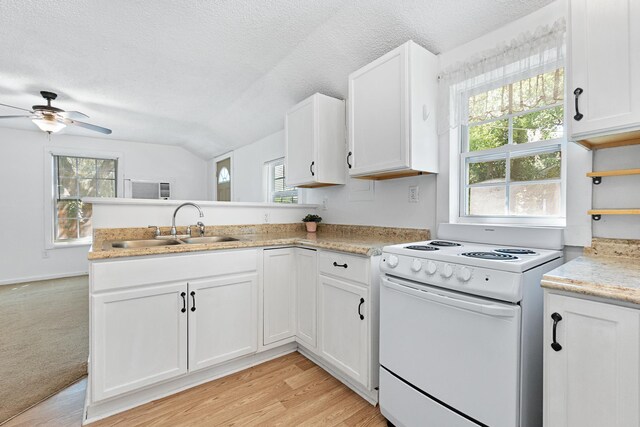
(112, 275)
(345, 266)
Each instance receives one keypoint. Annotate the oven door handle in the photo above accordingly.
(489, 309)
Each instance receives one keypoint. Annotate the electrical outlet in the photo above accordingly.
(45, 254)
(414, 194)
(266, 217)
(325, 203)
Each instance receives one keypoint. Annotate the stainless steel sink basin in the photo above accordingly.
(208, 239)
(129, 244)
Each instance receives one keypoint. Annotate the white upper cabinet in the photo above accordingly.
(604, 65)
(315, 142)
(392, 115)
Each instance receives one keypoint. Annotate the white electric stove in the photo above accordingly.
(461, 327)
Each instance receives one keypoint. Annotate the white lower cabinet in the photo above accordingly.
(161, 324)
(139, 338)
(306, 268)
(592, 372)
(344, 327)
(279, 303)
(223, 319)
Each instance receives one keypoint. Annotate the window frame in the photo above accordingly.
(271, 193)
(507, 152)
(50, 181)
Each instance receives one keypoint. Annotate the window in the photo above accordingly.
(511, 150)
(224, 176)
(277, 190)
(75, 178)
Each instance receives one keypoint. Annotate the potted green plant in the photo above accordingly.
(311, 221)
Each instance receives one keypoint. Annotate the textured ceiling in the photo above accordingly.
(212, 75)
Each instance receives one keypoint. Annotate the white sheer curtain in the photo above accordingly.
(530, 53)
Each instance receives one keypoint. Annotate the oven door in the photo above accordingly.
(459, 350)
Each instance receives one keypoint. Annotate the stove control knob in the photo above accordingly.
(464, 274)
(416, 265)
(447, 271)
(431, 268)
(392, 261)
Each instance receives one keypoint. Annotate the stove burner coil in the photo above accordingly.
(421, 248)
(444, 243)
(490, 255)
(516, 251)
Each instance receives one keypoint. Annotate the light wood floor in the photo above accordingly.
(288, 391)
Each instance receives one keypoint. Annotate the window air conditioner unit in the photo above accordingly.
(141, 189)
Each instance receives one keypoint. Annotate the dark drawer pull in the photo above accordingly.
(335, 264)
(193, 295)
(360, 305)
(348, 158)
(184, 301)
(555, 344)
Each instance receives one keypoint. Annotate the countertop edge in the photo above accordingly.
(367, 251)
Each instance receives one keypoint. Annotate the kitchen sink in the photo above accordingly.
(208, 239)
(130, 244)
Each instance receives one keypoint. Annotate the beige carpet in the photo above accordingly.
(44, 340)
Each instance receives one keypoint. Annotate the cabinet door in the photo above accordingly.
(300, 130)
(223, 322)
(138, 338)
(343, 333)
(605, 63)
(279, 294)
(593, 380)
(306, 295)
(378, 120)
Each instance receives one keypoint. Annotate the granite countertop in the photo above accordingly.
(602, 273)
(360, 240)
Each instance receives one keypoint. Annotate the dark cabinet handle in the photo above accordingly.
(184, 301)
(193, 295)
(311, 169)
(556, 318)
(335, 264)
(577, 94)
(360, 305)
(348, 157)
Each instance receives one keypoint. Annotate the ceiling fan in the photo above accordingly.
(51, 119)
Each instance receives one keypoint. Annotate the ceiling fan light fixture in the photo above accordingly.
(49, 124)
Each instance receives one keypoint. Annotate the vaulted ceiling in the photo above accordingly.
(212, 75)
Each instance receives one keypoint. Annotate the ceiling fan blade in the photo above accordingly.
(14, 117)
(73, 115)
(87, 126)
(17, 108)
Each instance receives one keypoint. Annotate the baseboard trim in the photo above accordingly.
(5, 282)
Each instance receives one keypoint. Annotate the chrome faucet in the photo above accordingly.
(174, 232)
(201, 228)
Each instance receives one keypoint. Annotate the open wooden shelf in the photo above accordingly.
(611, 141)
(596, 214)
(597, 176)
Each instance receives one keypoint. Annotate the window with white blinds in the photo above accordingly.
(277, 190)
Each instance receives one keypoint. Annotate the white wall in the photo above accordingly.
(116, 213)
(248, 164)
(386, 204)
(22, 214)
